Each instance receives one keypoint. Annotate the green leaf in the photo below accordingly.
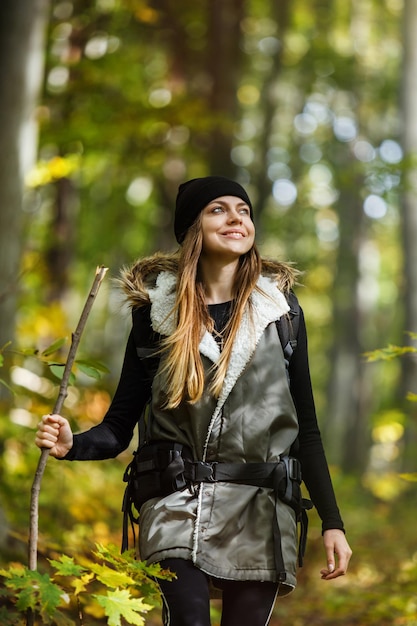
(129, 562)
(29, 352)
(33, 590)
(111, 554)
(65, 566)
(8, 617)
(57, 370)
(110, 577)
(17, 573)
(120, 604)
(388, 353)
(100, 367)
(54, 347)
(92, 372)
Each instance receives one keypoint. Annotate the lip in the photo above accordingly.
(235, 233)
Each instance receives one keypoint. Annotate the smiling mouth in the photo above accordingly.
(234, 235)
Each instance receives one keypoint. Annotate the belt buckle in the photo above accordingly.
(294, 469)
(206, 472)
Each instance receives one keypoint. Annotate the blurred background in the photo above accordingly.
(106, 107)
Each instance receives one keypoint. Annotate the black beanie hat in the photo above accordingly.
(195, 194)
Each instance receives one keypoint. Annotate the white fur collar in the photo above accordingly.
(268, 305)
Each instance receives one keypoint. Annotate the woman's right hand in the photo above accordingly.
(54, 433)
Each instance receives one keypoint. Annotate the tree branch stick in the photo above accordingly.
(34, 503)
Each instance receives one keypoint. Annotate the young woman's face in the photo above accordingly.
(227, 227)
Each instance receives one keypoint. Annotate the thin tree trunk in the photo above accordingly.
(345, 426)
(349, 398)
(262, 184)
(224, 69)
(60, 248)
(22, 29)
(409, 221)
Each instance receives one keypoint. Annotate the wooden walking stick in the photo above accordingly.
(75, 340)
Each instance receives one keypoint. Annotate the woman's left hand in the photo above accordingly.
(338, 554)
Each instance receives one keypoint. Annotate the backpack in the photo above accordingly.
(146, 475)
(287, 327)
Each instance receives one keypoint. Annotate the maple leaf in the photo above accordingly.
(120, 604)
(80, 584)
(110, 577)
(33, 590)
(65, 566)
(388, 353)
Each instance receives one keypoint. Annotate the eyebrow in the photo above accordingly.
(223, 202)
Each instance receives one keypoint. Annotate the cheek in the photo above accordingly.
(251, 232)
(206, 240)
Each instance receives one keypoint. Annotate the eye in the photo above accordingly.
(217, 209)
(245, 210)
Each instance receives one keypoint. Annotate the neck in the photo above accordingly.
(218, 281)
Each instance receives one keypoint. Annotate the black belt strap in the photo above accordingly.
(256, 474)
(278, 476)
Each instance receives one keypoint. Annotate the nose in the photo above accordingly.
(234, 216)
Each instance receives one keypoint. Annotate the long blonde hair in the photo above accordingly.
(183, 365)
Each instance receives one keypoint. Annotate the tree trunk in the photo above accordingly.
(60, 249)
(345, 426)
(409, 220)
(281, 12)
(22, 28)
(349, 398)
(224, 69)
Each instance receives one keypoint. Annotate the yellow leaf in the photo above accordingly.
(110, 577)
(80, 584)
(412, 478)
(58, 167)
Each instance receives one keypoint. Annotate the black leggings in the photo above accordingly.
(186, 599)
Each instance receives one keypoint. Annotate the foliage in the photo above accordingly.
(378, 590)
(3, 382)
(379, 587)
(134, 102)
(89, 367)
(388, 353)
(118, 586)
(302, 109)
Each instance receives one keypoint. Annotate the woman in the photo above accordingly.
(204, 348)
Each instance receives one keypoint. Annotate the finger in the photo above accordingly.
(48, 423)
(42, 442)
(48, 435)
(334, 572)
(47, 432)
(53, 418)
(326, 575)
(331, 565)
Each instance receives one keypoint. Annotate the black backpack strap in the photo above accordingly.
(287, 327)
(147, 350)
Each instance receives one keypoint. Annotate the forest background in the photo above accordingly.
(106, 106)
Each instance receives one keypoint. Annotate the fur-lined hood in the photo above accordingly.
(137, 280)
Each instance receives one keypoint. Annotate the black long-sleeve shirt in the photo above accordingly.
(114, 433)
